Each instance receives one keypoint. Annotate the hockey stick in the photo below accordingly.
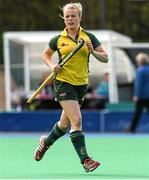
(81, 43)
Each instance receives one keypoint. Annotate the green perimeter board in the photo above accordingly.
(121, 157)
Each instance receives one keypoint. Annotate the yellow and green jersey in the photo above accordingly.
(75, 71)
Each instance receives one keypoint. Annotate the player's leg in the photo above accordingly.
(147, 105)
(58, 130)
(137, 114)
(72, 109)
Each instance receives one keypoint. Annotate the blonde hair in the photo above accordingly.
(142, 58)
(74, 6)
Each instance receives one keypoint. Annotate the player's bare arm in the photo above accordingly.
(47, 57)
(98, 52)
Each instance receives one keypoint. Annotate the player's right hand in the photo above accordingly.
(56, 68)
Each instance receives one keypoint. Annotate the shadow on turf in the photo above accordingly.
(118, 176)
(90, 175)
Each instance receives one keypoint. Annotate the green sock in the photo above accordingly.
(55, 133)
(78, 140)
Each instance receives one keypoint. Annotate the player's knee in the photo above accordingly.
(77, 122)
(64, 125)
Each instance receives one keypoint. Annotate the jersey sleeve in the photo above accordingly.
(53, 43)
(94, 40)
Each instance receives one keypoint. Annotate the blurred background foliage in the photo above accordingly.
(129, 17)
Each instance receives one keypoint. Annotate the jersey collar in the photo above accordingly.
(64, 33)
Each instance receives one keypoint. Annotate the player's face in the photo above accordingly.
(72, 18)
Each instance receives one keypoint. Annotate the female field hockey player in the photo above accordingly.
(70, 83)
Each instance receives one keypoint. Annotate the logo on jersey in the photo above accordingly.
(62, 94)
(64, 44)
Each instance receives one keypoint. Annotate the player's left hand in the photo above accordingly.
(89, 46)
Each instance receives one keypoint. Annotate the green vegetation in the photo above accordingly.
(128, 17)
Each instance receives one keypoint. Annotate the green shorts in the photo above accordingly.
(66, 91)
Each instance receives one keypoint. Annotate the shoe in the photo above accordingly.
(40, 151)
(90, 165)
